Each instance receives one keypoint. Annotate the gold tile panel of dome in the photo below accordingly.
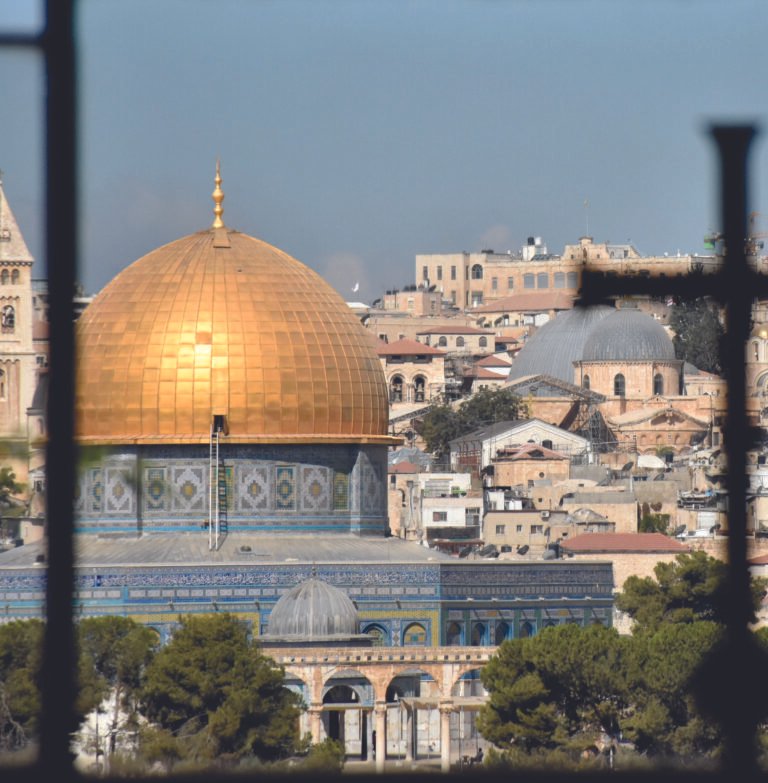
(219, 323)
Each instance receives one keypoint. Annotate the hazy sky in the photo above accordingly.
(356, 134)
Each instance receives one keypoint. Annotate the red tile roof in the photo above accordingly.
(456, 330)
(407, 347)
(404, 467)
(493, 361)
(623, 542)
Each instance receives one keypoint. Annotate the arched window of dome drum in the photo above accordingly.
(477, 272)
(454, 635)
(15, 276)
(658, 383)
(396, 389)
(8, 319)
(619, 385)
(4, 277)
(459, 342)
(419, 388)
(415, 635)
(585, 382)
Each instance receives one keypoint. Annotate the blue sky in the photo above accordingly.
(356, 134)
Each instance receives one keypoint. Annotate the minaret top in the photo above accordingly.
(218, 197)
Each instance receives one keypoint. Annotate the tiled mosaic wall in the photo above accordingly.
(301, 488)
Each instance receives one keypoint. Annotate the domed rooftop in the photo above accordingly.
(313, 610)
(219, 322)
(628, 335)
(556, 345)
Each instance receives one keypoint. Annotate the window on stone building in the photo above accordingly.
(619, 385)
(518, 528)
(479, 634)
(477, 272)
(483, 342)
(537, 530)
(494, 283)
(439, 272)
(510, 283)
(547, 444)
(585, 382)
(501, 633)
(529, 280)
(453, 273)
(559, 279)
(443, 341)
(459, 342)
(379, 635)
(527, 628)
(4, 277)
(425, 273)
(15, 276)
(8, 319)
(439, 516)
(542, 280)
(501, 530)
(573, 279)
(2, 385)
(658, 383)
(396, 389)
(419, 388)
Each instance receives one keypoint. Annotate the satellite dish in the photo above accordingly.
(679, 530)
(627, 467)
(549, 554)
(521, 550)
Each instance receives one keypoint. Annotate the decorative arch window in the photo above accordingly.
(4, 277)
(459, 342)
(756, 349)
(8, 318)
(454, 635)
(585, 382)
(483, 342)
(15, 276)
(419, 388)
(619, 385)
(378, 634)
(658, 383)
(415, 635)
(3, 388)
(396, 389)
(501, 634)
(527, 628)
(443, 341)
(477, 272)
(479, 634)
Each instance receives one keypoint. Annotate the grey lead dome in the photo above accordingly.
(313, 610)
(628, 335)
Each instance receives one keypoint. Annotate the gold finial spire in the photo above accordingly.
(218, 197)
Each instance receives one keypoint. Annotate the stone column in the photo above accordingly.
(445, 707)
(316, 723)
(409, 723)
(380, 712)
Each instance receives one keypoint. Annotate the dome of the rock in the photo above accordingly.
(221, 323)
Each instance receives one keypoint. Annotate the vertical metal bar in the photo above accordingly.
(59, 670)
(739, 723)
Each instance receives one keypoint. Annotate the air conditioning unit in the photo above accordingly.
(545, 514)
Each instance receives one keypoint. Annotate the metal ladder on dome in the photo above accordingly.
(217, 488)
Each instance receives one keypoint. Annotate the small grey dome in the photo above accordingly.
(557, 344)
(313, 610)
(628, 335)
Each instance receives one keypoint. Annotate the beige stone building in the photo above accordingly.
(516, 466)
(459, 340)
(415, 371)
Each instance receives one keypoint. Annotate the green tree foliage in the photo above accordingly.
(557, 690)
(665, 719)
(213, 690)
(698, 334)
(114, 653)
(8, 487)
(21, 644)
(689, 589)
(443, 423)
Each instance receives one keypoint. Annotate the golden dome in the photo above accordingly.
(219, 322)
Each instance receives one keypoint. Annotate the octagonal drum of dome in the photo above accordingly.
(221, 323)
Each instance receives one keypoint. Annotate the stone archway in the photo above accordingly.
(346, 712)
